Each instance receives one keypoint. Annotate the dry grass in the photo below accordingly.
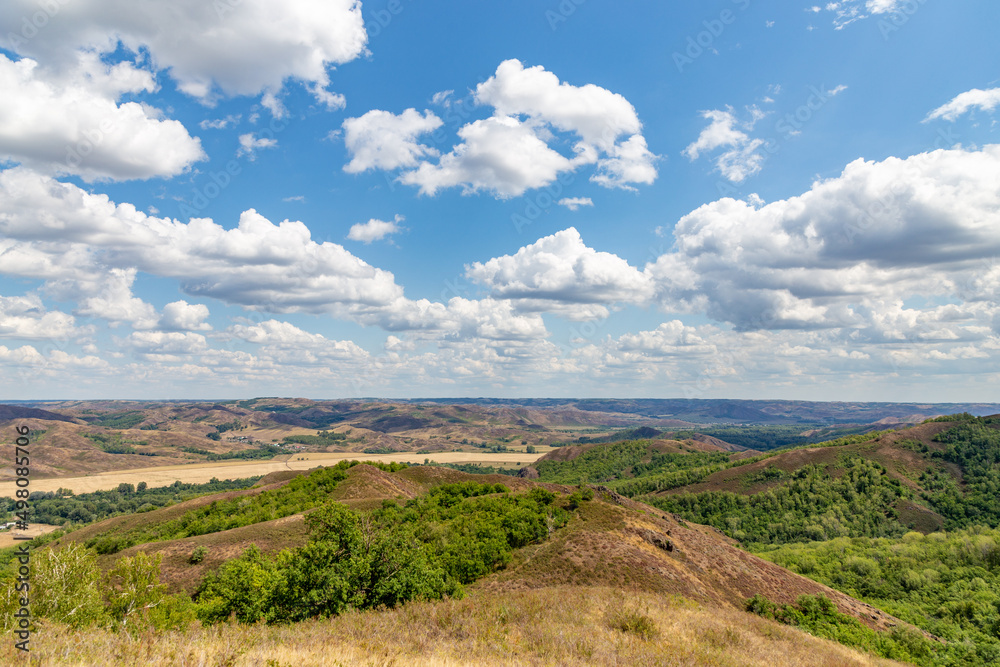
(201, 472)
(556, 626)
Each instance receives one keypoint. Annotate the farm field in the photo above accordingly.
(197, 473)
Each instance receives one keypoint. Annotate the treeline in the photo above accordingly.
(475, 468)
(945, 583)
(262, 452)
(322, 438)
(623, 460)
(114, 443)
(120, 420)
(62, 508)
(811, 505)
(764, 438)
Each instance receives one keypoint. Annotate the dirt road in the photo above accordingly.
(203, 472)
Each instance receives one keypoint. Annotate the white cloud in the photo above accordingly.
(241, 47)
(58, 232)
(184, 316)
(558, 273)
(849, 251)
(25, 317)
(740, 160)
(72, 123)
(595, 114)
(249, 145)
(847, 12)
(374, 230)
(220, 123)
(574, 203)
(721, 132)
(500, 155)
(521, 147)
(281, 338)
(985, 100)
(170, 343)
(442, 98)
(382, 140)
(630, 162)
(115, 302)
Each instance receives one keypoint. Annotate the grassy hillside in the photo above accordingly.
(341, 540)
(852, 514)
(572, 625)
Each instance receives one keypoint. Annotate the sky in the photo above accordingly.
(546, 198)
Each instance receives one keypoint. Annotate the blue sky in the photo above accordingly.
(577, 198)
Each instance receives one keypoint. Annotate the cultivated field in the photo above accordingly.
(196, 473)
(34, 530)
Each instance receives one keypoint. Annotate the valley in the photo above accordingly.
(884, 538)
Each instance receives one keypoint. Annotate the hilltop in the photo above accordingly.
(83, 437)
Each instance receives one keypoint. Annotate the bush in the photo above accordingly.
(134, 589)
(198, 554)
(633, 622)
(66, 586)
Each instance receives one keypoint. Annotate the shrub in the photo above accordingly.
(198, 554)
(633, 622)
(134, 589)
(66, 586)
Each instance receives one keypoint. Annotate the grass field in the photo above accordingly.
(34, 530)
(552, 626)
(205, 471)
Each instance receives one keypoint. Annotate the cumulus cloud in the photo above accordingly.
(169, 344)
(57, 231)
(559, 273)
(115, 302)
(847, 252)
(500, 155)
(184, 316)
(289, 342)
(241, 48)
(71, 123)
(26, 318)
(90, 249)
(382, 140)
(374, 229)
(596, 115)
(984, 100)
(520, 147)
(740, 160)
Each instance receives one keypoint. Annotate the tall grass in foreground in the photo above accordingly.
(564, 626)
